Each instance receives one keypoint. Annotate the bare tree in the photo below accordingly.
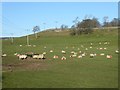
(63, 27)
(76, 21)
(35, 30)
(105, 21)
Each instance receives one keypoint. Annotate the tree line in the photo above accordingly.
(85, 26)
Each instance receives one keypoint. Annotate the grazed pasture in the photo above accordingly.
(86, 72)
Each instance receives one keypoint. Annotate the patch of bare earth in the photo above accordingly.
(26, 65)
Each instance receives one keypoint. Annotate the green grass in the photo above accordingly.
(97, 72)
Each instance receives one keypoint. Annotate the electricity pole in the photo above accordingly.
(27, 38)
(56, 24)
(12, 38)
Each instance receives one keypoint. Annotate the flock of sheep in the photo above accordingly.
(73, 54)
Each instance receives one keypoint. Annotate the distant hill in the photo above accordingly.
(4, 37)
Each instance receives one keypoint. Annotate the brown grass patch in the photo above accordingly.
(26, 65)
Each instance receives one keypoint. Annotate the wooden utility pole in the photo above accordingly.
(12, 38)
(27, 38)
(56, 23)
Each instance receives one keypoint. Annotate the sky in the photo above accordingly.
(18, 18)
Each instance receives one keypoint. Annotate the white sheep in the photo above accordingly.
(91, 44)
(95, 54)
(86, 49)
(105, 43)
(83, 54)
(80, 51)
(100, 48)
(4, 55)
(38, 56)
(22, 56)
(104, 48)
(100, 43)
(92, 55)
(117, 51)
(90, 47)
(102, 54)
(55, 56)
(44, 46)
(15, 54)
(51, 50)
(34, 45)
(20, 45)
(63, 52)
(72, 52)
(109, 56)
(63, 58)
(44, 53)
(80, 56)
(74, 55)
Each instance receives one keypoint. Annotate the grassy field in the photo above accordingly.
(97, 72)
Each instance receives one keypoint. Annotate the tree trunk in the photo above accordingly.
(36, 35)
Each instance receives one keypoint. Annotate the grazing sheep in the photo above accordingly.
(74, 55)
(105, 43)
(90, 47)
(86, 49)
(63, 58)
(51, 50)
(117, 51)
(109, 56)
(91, 44)
(22, 56)
(34, 45)
(15, 53)
(100, 43)
(55, 56)
(83, 54)
(44, 53)
(102, 54)
(80, 52)
(63, 52)
(104, 48)
(20, 45)
(80, 56)
(38, 56)
(72, 52)
(92, 55)
(95, 54)
(44, 46)
(4, 55)
(100, 48)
